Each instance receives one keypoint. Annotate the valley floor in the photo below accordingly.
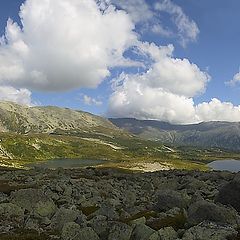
(111, 204)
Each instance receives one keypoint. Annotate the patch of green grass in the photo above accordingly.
(146, 214)
(177, 222)
(22, 234)
(89, 210)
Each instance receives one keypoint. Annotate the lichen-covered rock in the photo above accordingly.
(70, 231)
(204, 210)
(35, 201)
(87, 234)
(119, 231)
(229, 194)
(108, 211)
(100, 225)
(210, 231)
(10, 211)
(168, 199)
(3, 197)
(63, 216)
(167, 233)
(142, 232)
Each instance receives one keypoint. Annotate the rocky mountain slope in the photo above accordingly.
(105, 204)
(23, 119)
(206, 134)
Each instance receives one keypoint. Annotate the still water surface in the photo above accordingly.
(225, 165)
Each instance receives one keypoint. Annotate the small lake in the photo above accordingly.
(225, 165)
(67, 163)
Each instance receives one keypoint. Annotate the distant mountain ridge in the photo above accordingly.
(206, 134)
(48, 119)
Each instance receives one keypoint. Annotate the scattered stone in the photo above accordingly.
(104, 204)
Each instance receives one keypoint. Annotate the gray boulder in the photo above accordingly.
(209, 231)
(229, 194)
(11, 211)
(120, 231)
(87, 233)
(100, 225)
(142, 232)
(35, 201)
(63, 216)
(70, 231)
(168, 199)
(204, 210)
(167, 233)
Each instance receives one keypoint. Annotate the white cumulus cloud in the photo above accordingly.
(91, 101)
(234, 81)
(21, 96)
(165, 91)
(215, 110)
(64, 45)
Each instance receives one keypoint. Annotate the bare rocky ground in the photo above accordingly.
(107, 204)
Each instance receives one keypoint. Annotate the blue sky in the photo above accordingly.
(213, 48)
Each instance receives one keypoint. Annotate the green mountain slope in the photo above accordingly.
(223, 135)
(27, 120)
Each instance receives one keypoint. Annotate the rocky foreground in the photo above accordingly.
(107, 204)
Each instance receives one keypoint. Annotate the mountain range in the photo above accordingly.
(225, 135)
(25, 120)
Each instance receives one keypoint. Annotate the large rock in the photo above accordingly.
(210, 231)
(35, 201)
(142, 232)
(167, 233)
(120, 231)
(230, 194)
(204, 210)
(70, 231)
(11, 211)
(63, 216)
(87, 233)
(108, 211)
(100, 225)
(168, 199)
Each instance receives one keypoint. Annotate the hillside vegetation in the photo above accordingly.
(33, 134)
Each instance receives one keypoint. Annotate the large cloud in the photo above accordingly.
(215, 110)
(135, 99)
(64, 45)
(165, 91)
